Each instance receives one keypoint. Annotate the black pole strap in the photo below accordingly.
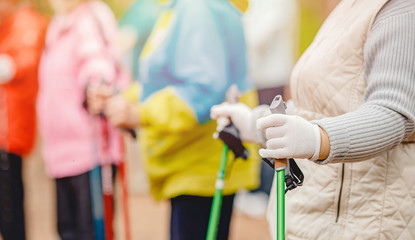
(230, 136)
(293, 175)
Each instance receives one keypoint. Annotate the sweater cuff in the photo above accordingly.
(339, 140)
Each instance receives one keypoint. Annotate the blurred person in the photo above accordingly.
(22, 32)
(194, 54)
(136, 26)
(81, 49)
(353, 128)
(270, 30)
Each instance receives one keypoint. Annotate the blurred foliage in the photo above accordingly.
(312, 15)
(117, 6)
(42, 5)
(311, 18)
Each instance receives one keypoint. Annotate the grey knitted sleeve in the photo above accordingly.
(388, 114)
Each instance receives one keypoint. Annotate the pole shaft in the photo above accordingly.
(124, 189)
(281, 204)
(217, 199)
(107, 182)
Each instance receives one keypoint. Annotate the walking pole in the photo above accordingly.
(101, 182)
(280, 169)
(230, 136)
(278, 107)
(124, 181)
(289, 175)
(107, 176)
(107, 185)
(124, 189)
(217, 199)
(97, 202)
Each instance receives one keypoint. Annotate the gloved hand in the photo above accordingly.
(121, 112)
(242, 117)
(97, 95)
(7, 68)
(289, 137)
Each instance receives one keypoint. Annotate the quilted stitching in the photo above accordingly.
(400, 195)
(338, 87)
(319, 209)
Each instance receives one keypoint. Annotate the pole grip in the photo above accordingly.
(278, 107)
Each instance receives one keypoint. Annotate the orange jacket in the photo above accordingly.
(22, 38)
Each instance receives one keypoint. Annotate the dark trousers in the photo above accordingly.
(190, 217)
(267, 176)
(75, 217)
(75, 220)
(12, 222)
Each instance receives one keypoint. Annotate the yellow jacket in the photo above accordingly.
(196, 51)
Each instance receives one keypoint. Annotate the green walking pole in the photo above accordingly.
(280, 170)
(230, 136)
(278, 107)
(288, 174)
(217, 199)
(288, 177)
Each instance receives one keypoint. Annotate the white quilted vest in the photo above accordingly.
(373, 199)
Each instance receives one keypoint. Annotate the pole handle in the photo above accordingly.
(278, 107)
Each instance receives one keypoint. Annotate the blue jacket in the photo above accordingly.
(194, 54)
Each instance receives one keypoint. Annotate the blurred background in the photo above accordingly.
(118, 6)
(150, 219)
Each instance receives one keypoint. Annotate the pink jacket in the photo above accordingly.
(78, 50)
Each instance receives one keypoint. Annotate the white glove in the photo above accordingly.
(289, 137)
(7, 68)
(242, 117)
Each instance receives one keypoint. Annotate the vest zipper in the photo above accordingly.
(340, 194)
